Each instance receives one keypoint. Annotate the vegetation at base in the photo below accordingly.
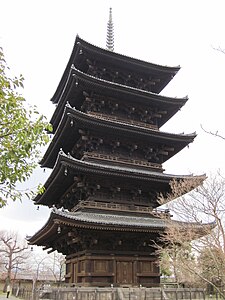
(195, 248)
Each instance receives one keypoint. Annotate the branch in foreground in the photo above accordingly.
(216, 134)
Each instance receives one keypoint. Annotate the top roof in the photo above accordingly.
(83, 50)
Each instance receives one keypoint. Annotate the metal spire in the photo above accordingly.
(110, 34)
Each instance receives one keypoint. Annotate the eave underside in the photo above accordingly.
(73, 121)
(68, 168)
(79, 84)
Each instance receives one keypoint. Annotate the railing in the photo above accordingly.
(114, 293)
(123, 207)
(124, 121)
(122, 160)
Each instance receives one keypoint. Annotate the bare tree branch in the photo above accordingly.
(216, 134)
(196, 250)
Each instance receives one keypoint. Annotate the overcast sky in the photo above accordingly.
(38, 36)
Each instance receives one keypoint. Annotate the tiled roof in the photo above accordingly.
(102, 218)
(73, 162)
(126, 89)
(165, 68)
(127, 220)
(110, 221)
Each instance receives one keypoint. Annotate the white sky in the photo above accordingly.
(38, 36)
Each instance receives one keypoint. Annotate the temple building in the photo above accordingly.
(106, 156)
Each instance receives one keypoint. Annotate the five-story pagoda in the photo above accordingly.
(107, 154)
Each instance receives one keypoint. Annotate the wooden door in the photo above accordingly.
(124, 272)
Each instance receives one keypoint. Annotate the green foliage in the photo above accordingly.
(212, 265)
(173, 260)
(22, 133)
(165, 264)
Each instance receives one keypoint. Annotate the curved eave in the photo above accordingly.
(114, 58)
(196, 225)
(108, 222)
(78, 81)
(73, 120)
(60, 180)
(143, 65)
(96, 221)
(194, 230)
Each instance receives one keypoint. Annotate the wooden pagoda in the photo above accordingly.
(106, 157)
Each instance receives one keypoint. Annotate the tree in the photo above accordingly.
(57, 266)
(13, 253)
(204, 209)
(212, 265)
(47, 264)
(165, 267)
(21, 135)
(215, 134)
(44, 268)
(175, 250)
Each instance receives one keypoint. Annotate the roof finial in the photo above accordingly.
(110, 34)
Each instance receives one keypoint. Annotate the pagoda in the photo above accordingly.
(106, 157)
